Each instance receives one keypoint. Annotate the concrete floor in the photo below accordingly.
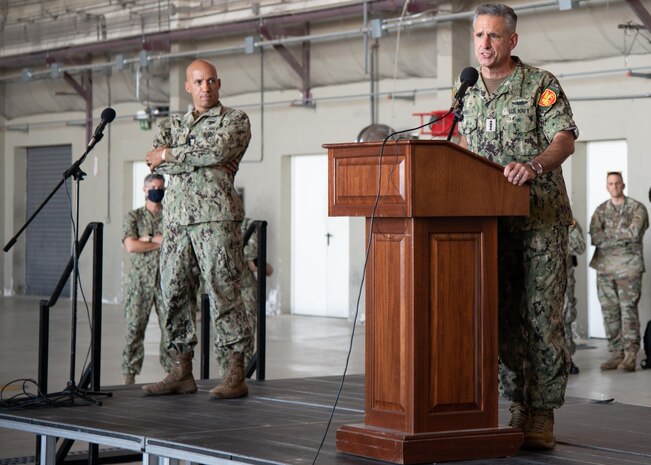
(297, 347)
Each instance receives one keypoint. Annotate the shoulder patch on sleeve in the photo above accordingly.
(548, 97)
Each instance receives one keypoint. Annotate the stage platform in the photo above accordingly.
(283, 421)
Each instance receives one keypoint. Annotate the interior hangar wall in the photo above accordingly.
(607, 106)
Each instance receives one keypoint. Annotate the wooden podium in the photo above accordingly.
(431, 298)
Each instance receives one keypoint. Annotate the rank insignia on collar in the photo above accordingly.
(548, 98)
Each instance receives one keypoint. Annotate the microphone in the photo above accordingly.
(468, 79)
(108, 115)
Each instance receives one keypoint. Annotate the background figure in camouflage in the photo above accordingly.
(142, 237)
(576, 247)
(203, 215)
(616, 229)
(249, 282)
(519, 117)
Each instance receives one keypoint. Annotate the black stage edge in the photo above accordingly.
(282, 422)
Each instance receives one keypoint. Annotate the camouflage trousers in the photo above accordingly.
(139, 301)
(215, 248)
(250, 298)
(619, 297)
(569, 310)
(534, 362)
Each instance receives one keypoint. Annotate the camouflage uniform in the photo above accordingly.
(516, 123)
(576, 246)
(142, 291)
(249, 283)
(617, 232)
(203, 213)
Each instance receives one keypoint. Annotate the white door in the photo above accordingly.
(603, 157)
(320, 244)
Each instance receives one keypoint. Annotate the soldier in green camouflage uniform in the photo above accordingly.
(617, 229)
(519, 117)
(203, 215)
(142, 237)
(249, 281)
(576, 246)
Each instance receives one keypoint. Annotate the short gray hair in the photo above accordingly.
(153, 177)
(498, 10)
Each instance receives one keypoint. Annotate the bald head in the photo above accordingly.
(202, 83)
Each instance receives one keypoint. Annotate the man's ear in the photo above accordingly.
(188, 89)
(514, 40)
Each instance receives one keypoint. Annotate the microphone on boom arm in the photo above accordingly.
(468, 79)
(108, 115)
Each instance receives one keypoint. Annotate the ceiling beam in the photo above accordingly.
(162, 40)
(85, 91)
(302, 68)
(641, 12)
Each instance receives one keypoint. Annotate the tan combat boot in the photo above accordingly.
(232, 384)
(628, 363)
(178, 381)
(613, 361)
(130, 379)
(519, 416)
(540, 434)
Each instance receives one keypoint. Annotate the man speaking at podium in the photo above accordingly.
(518, 116)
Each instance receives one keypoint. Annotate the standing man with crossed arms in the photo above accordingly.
(617, 228)
(142, 238)
(203, 214)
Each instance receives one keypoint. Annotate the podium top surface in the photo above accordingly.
(418, 178)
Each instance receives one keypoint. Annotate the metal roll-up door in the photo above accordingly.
(49, 236)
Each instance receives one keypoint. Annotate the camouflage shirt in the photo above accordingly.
(198, 191)
(516, 123)
(617, 232)
(575, 242)
(144, 265)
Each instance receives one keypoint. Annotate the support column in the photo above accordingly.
(180, 100)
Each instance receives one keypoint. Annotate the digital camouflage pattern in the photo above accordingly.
(534, 360)
(203, 213)
(617, 233)
(249, 284)
(142, 291)
(619, 299)
(523, 124)
(216, 249)
(516, 123)
(576, 247)
(198, 191)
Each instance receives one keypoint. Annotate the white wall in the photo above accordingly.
(602, 120)
(264, 174)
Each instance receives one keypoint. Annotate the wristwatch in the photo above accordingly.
(537, 167)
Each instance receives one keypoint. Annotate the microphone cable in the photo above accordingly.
(361, 286)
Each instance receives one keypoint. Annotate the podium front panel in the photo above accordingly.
(431, 293)
(353, 188)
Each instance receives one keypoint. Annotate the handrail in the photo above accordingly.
(97, 229)
(257, 362)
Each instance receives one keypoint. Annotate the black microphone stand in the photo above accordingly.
(72, 390)
(458, 116)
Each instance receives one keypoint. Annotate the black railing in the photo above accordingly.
(257, 362)
(92, 374)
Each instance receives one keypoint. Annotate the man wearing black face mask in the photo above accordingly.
(142, 238)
